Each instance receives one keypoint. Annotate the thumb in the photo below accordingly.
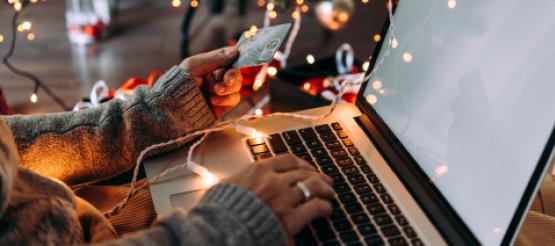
(206, 63)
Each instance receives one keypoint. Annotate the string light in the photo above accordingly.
(365, 1)
(407, 57)
(272, 71)
(300, 2)
(34, 98)
(260, 3)
(235, 123)
(365, 66)
(17, 6)
(377, 38)
(377, 84)
(194, 3)
(1, 38)
(31, 36)
(452, 4)
(258, 112)
(273, 14)
(304, 8)
(394, 43)
(176, 3)
(310, 59)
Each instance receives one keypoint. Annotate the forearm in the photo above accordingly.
(100, 143)
(227, 215)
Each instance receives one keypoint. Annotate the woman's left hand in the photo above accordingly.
(210, 71)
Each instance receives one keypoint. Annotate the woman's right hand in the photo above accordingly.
(275, 180)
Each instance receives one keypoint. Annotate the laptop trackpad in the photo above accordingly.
(186, 200)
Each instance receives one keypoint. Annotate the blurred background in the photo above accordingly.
(71, 45)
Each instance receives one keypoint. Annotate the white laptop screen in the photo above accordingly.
(469, 90)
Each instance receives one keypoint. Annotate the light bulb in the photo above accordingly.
(258, 112)
(272, 71)
(34, 98)
(1, 38)
(194, 3)
(407, 57)
(310, 59)
(365, 66)
(176, 3)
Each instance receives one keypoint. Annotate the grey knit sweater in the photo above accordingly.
(79, 148)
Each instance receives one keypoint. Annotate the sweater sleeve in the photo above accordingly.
(226, 215)
(97, 144)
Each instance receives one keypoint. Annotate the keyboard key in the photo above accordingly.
(297, 149)
(353, 150)
(342, 134)
(341, 188)
(365, 169)
(336, 126)
(367, 229)
(379, 188)
(342, 225)
(397, 242)
(375, 209)
(328, 137)
(323, 128)
(347, 142)
(304, 156)
(255, 141)
(323, 161)
(373, 178)
(353, 208)
(409, 232)
(390, 231)
(331, 243)
(417, 242)
(325, 235)
(360, 218)
(387, 199)
(402, 220)
(382, 220)
(262, 156)
(376, 240)
(337, 178)
(345, 161)
(369, 198)
(321, 224)
(350, 170)
(308, 133)
(359, 159)
(333, 145)
(313, 143)
(319, 152)
(329, 169)
(347, 197)
(394, 209)
(292, 137)
(259, 149)
(362, 189)
(355, 179)
(348, 236)
(338, 214)
(338, 153)
(277, 144)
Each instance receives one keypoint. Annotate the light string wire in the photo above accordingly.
(233, 123)
(38, 82)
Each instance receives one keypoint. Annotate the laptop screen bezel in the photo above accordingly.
(427, 195)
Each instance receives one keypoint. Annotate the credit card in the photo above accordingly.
(259, 48)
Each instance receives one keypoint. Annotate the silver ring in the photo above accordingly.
(305, 190)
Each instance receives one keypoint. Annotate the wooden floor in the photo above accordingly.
(147, 38)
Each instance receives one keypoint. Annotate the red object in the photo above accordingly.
(4, 109)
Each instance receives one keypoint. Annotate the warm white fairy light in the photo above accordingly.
(1, 38)
(30, 36)
(258, 112)
(365, 66)
(300, 2)
(272, 71)
(377, 84)
(372, 99)
(310, 59)
(270, 6)
(34, 98)
(407, 57)
(194, 3)
(441, 170)
(394, 43)
(176, 3)
(452, 4)
(273, 14)
(304, 8)
(377, 38)
(17, 6)
(365, 1)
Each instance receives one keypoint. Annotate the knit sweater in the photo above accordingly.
(40, 156)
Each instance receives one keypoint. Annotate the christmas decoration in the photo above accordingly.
(88, 20)
(334, 14)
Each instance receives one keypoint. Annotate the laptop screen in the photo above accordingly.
(469, 90)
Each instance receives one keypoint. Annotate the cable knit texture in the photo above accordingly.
(84, 147)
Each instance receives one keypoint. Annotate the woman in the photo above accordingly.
(261, 205)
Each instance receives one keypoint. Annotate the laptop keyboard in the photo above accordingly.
(363, 211)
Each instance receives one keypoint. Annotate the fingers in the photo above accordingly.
(226, 101)
(318, 189)
(206, 63)
(283, 163)
(305, 213)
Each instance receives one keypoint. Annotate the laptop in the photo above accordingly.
(447, 143)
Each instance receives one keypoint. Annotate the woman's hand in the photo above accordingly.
(275, 180)
(210, 71)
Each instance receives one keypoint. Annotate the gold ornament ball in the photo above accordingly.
(335, 14)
